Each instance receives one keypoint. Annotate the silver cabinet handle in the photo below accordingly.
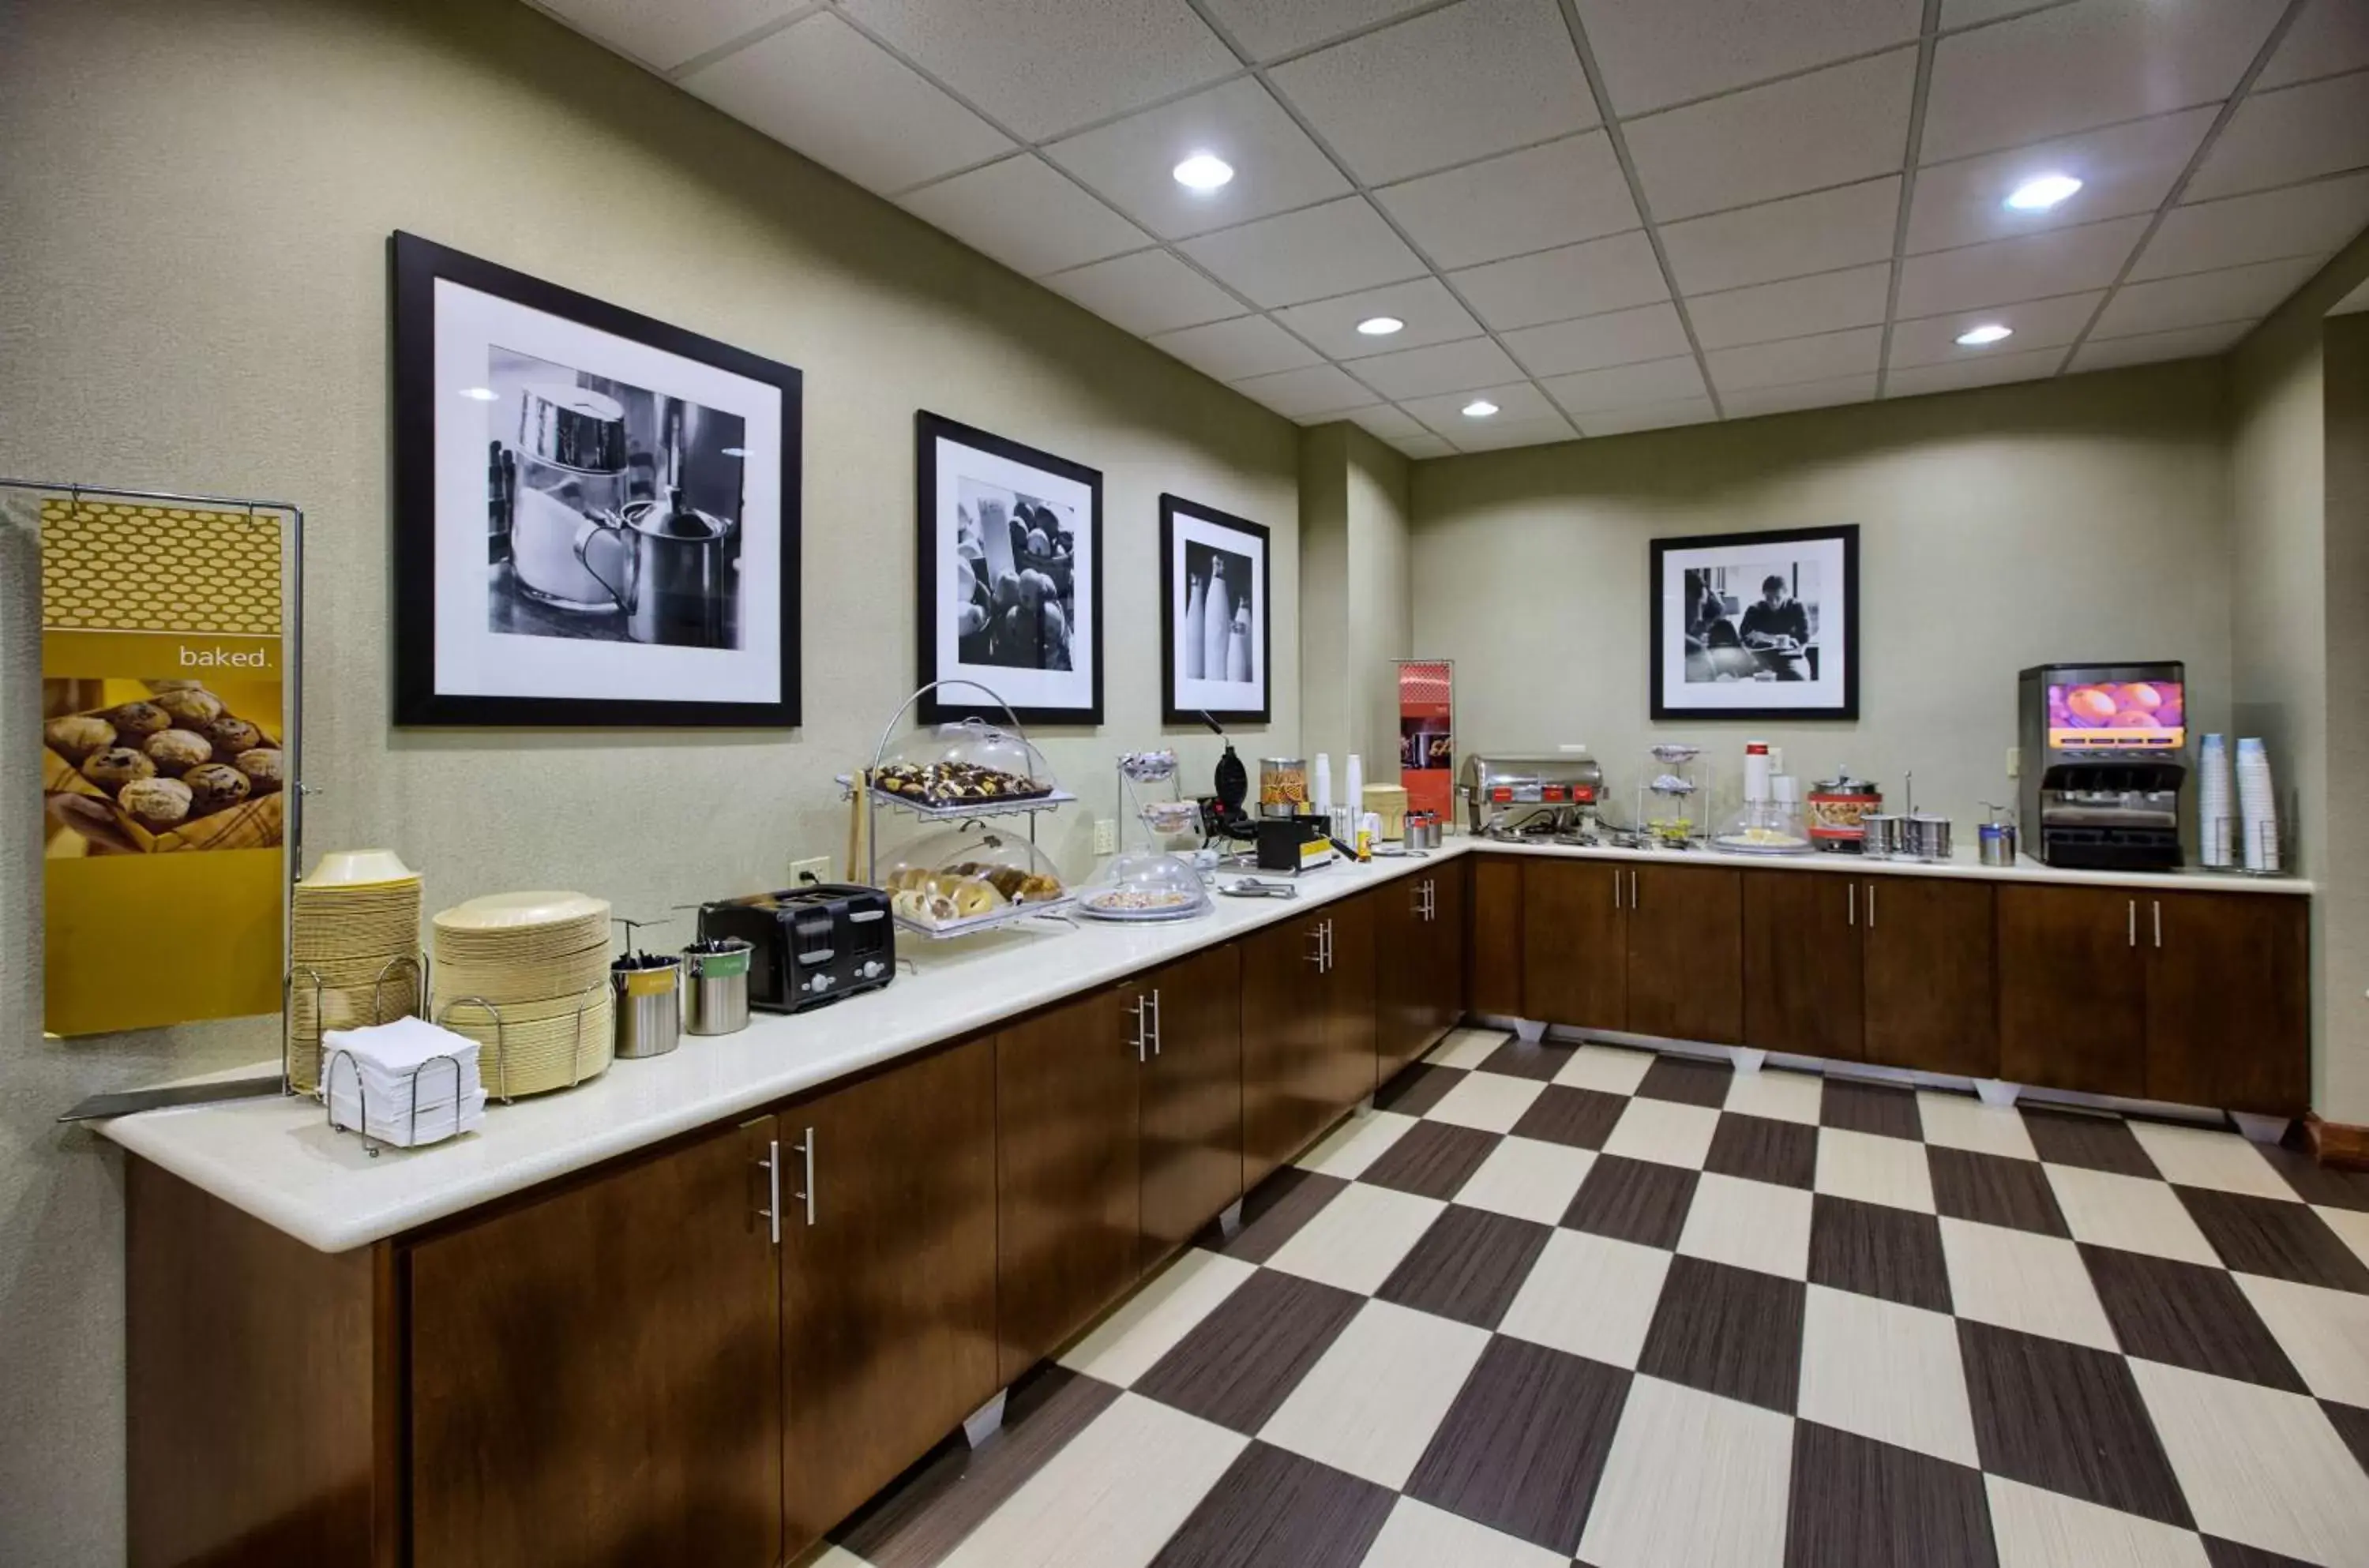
(805, 1194)
(2134, 922)
(1632, 890)
(1851, 905)
(1870, 905)
(1616, 886)
(1317, 958)
(1156, 1030)
(2158, 921)
(1328, 946)
(771, 1212)
(1142, 1012)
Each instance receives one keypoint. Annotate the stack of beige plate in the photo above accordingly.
(539, 961)
(353, 951)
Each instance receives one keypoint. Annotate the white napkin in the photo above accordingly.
(395, 1078)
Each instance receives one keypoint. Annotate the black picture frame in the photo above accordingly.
(1174, 705)
(933, 539)
(416, 266)
(1834, 641)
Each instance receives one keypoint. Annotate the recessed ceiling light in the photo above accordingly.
(2040, 194)
(480, 394)
(1988, 333)
(1380, 326)
(1203, 171)
(733, 451)
(1478, 409)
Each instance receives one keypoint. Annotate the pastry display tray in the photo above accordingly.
(1010, 914)
(964, 810)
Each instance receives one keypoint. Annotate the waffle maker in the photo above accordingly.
(1222, 816)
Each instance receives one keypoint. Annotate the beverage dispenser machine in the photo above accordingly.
(2105, 755)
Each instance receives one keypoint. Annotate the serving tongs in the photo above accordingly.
(1252, 887)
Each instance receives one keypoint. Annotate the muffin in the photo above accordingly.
(192, 707)
(78, 737)
(232, 735)
(156, 804)
(118, 765)
(215, 786)
(261, 766)
(175, 752)
(138, 721)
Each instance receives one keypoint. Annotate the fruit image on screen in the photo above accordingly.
(2133, 715)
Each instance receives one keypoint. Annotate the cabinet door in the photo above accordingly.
(1801, 989)
(1444, 943)
(596, 1378)
(1686, 954)
(1283, 1044)
(1068, 1181)
(1350, 1063)
(1575, 943)
(1192, 1145)
(1931, 953)
(2228, 1001)
(1493, 941)
(888, 1276)
(2072, 989)
(1403, 982)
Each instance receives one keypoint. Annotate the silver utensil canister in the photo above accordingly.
(716, 986)
(648, 995)
(1886, 834)
(1929, 837)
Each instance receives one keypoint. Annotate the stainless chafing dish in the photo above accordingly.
(1521, 796)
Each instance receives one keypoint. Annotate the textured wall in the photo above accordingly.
(2345, 863)
(193, 295)
(1356, 609)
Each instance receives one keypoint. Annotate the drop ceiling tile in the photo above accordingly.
(2147, 348)
(1443, 367)
(664, 37)
(1799, 395)
(1592, 343)
(1820, 358)
(2122, 169)
(1423, 446)
(2091, 63)
(1268, 30)
(1672, 50)
(1534, 200)
(1386, 420)
(827, 91)
(1845, 123)
(1553, 285)
(1430, 312)
(1045, 66)
(1321, 251)
(1276, 168)
(2032, 267)
(1784, 239)
(2203, 299)
(2037, 324)
(2029, 364)
(1497, 436)
(1231, 350)
(1027, 215)
(1318, 392)
(1445, 88)
(2294, 134)
(1956, 13)
(1146, 293)
(2318, 219)
(1649, 417)
(1826, 302)
(2330, 36)
(1518, 402)
(1628, 386)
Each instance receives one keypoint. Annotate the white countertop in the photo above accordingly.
(278, 1159)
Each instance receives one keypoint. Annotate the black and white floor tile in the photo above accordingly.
(1552, 1304)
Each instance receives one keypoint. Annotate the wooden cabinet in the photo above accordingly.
(1574, 965)
(1419, 937)
(1685, 952)
(1444, 946)
(2228, 999)
(1494, 946)
(888, 1275)
(1068, 1205)
(2072, 990)
(1191, 1106)
(595, 1375)
(1350, 1064)
(1930, 957)
(1803, 987)
(1307, 1029)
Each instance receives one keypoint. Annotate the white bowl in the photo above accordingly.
(359, 868)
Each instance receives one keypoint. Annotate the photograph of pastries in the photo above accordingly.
(150, 767)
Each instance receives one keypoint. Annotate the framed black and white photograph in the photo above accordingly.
(1011, 577)
(1756, 625)
(596, 513)
(1214, 642)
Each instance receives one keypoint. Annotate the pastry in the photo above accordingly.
(262, 767)
(139, 720)
(78, 736)
(973, 898)
(118, 765)
(192, 707)
(175, 752)
(214, 786)
(232, 735)
(156, 804)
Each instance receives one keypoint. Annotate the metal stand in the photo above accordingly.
(416, 962)
(371, 1145)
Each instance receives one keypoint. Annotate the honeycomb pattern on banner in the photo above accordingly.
(119, 566)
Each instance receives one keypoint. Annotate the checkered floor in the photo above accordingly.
(1552, 1304)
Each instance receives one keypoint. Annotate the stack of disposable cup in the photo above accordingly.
(2216, 808)
(2258, 810)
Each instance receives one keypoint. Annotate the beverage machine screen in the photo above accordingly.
(2116, 715)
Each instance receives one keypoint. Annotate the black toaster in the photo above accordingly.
(812, 944)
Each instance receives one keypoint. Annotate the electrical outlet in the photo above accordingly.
(818, 867)
(2015, 762)
(1106, 835)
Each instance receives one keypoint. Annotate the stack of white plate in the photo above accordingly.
(526, 976)
(2216, 807)
(353, 951)
(2257, 808)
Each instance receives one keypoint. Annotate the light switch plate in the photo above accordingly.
(2015, 762)
(818, 867)
(1106, 835)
